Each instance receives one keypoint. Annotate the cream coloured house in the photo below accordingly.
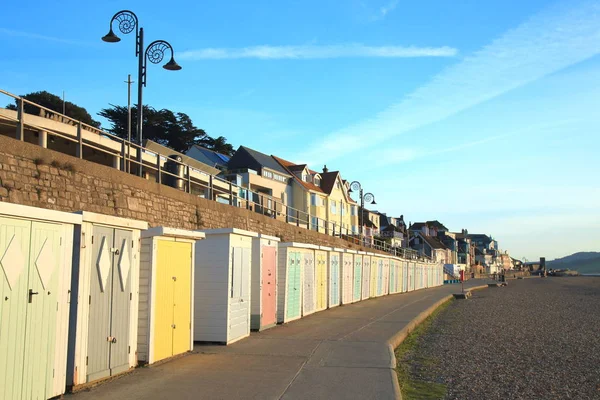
(322, 198)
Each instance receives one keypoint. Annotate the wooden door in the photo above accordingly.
(269, 300)
(121, 302)
(321, 280)
(98, 350)
(366, 278)
(181, 262)
(15, 238)
(40, 329)
(293, 285)
(290, 285)
(308, 293)
(172, 299)
(334, 279)
(392, 280)
(110, 303)
(357, 277)
(163, 302)
(31, 264)
(239, 321)
(380, 277)
(373, 277)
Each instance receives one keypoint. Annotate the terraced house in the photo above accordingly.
(322, 198)
(266, 180)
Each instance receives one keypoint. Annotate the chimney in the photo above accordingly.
(325, 170)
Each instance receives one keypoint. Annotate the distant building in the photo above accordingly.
(430, 246)
(208, 157)
(263, 176)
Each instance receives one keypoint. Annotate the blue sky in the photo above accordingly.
(483, 115)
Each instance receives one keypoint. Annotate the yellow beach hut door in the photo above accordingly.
(172, 299)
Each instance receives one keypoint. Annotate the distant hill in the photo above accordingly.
(586, 262)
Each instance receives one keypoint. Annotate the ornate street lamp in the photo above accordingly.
(155, 52)
(367, 197)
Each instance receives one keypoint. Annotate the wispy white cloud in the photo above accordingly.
(390, 156)
(31, 35)
(561, 36)
(355, 50)
(389, 7)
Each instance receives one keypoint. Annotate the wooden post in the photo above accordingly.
(158, 169)
(43, 139)
(189, 179)
(123, 163)
(20, 135)
(79, 149)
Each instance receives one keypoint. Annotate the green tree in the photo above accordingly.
(55, 103)
(175, 130)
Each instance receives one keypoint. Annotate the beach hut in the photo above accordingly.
(166, 311)
(309, 290)
(374, 276)
(290, 275)
(36, 248)
(385, 271)
(104, 317)
(263, 295)
(222, 285)
(357, 278)
(404, 276)
(334, 276)
(393, 278)
(366, 277)
(411, 276)
(321, 284)
(348, 258)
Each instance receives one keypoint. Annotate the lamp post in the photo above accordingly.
(155, 52)
(367, 197)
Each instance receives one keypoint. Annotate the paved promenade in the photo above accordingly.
(341, 353)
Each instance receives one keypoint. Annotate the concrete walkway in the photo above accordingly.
(341, 353)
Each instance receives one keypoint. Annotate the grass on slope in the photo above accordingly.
(412, 386)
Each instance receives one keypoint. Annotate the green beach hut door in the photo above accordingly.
(357, 277)
(31, 265)
(110, 297)
(334, 291)
(293, 286)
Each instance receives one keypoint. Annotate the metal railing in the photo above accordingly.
(130, 157)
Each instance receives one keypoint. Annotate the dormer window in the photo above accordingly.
(317, 181)
(305, 177)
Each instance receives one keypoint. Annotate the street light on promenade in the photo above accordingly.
(155, 53)
(367, 197)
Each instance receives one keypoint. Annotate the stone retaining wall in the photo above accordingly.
(34, 176)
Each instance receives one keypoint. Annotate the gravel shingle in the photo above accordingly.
(535, 339)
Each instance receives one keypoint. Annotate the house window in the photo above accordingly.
(333, 207)
(353, 210)
(313, 199)
(305, 177)
(267, 174)
(314, 221)
(279, 178)
(317, 181)
(337, 185)
(343, 209)
(354, 229)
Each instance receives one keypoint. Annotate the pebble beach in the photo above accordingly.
(537, 338)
